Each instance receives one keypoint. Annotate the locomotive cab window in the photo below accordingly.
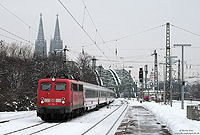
(60, 86)
(46, 86)
(80, 87)
(75, 87)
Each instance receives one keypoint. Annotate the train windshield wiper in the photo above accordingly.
(47, 89)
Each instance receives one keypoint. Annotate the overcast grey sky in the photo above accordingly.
(113, 19)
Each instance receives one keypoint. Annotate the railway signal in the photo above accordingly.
(141, 75)
(141, 81)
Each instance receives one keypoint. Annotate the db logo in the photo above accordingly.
(52, 100)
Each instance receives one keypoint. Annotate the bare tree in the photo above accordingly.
(20, 73)
(195, 91)
(87, 74)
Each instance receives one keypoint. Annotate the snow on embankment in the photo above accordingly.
(174, 118)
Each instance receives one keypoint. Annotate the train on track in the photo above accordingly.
(62, 98)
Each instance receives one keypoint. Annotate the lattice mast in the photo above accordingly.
(168, 64)
(156, 72)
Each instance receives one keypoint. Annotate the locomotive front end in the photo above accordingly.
(53, 98)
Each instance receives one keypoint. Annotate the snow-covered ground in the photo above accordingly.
(76, 126)
(173, 117)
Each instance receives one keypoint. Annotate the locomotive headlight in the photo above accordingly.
(63, 98)
(53, 79)
(63, 102)
(42, 102)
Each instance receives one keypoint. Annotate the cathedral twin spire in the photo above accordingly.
(56, 44)
(40, 43)
(40, 32)
(57, 30)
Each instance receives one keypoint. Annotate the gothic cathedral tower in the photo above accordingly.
(56, 45)
(40, 43)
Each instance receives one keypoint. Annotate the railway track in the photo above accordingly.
(20, 131)
(46, 126)
(116, 120)
(98, 123)
(39, 127)
(90, 127)
(16, 118)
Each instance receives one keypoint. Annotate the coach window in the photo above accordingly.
(75, 87)
(46, 86)
(108, 94)
(91, 94)
(103, 94)
(60, 86)
(80, 87)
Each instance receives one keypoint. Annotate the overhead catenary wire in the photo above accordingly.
(97, 31)
(124, 37)
(185, 30)
(82, 28)
(128, 61)
(133, 58)
(141, 49)
(11, 38)
(18, 17)
(83, 16)
(144, 31)
(29, 27)
(119, 37)
(89, 14)
(15, 35)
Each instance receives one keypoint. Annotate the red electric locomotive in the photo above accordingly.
(60, 98)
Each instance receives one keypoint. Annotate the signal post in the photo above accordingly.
(141, 88)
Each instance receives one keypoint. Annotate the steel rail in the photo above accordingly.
(24, 128)
(102, 119)
(20, 117)
(117, 120)
(45, 129)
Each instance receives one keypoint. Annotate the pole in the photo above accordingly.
(167, 71)
(156, 74)
(170, 61)
(179, 90)
(183, 83)
(164, 83)
(182, 86)
(170, 79)
(136, 90)
(142, 92)
(146, 72)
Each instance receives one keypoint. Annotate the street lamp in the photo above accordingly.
(183, 83)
